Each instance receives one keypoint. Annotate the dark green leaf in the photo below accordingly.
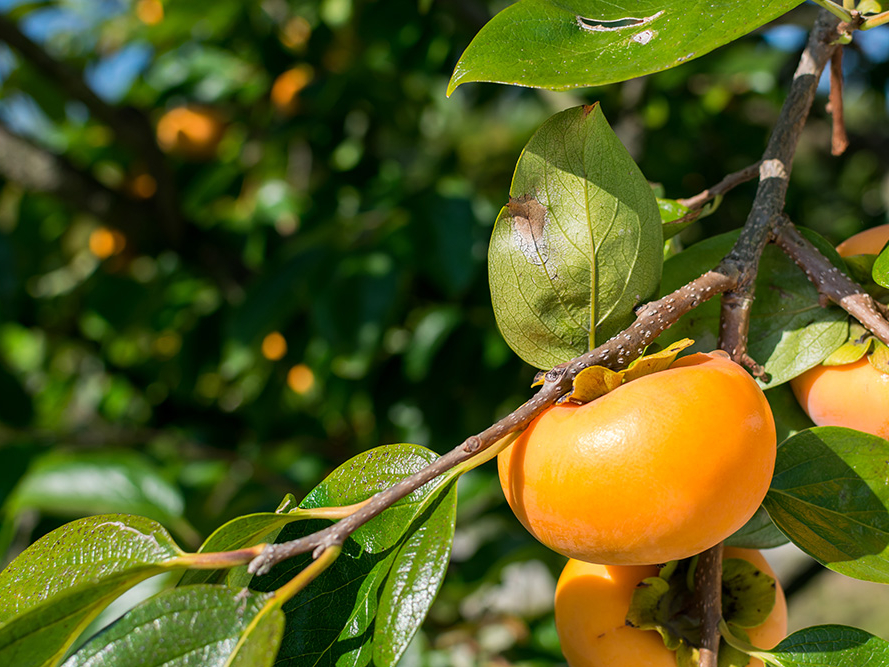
(829, 646)
(881, 269)
(575, 43)
(192, 626)
(370, 602)
(579, 244)
(789, 417)
(758, 533)
(789, 329)
(829, 496)
(52, 591)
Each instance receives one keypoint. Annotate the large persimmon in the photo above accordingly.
(661, 468)
(856, 394)
(592, 601)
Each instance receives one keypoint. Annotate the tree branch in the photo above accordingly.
(708, 599)
(774, 174)
(652, 320)
(831, 282)
(129, 124)
(728, 183)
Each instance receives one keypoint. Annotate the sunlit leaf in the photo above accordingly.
(575, 43)
(830, 496)
(828, 646)
(578, 246)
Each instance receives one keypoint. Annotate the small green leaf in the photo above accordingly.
(829, 495)
(191, 626)
(758, 533)
(828, 646)
(881, 269)
(790, 331)
(579, 245)
(366, 607)
(575, 43)
(52, 591)
(673, 217)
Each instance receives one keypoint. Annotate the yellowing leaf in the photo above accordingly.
(659, 361)
(593, 382)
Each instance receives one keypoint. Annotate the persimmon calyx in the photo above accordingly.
(666, 604)
(596, 381)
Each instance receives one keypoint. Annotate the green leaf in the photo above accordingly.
(243, 531)
(575, 43)
(367, 605)
(856, 346)
(758, 533)
(66, 483)
(829, 495)
(192, 626)
(828, 646)
(672, 217)
(790, 418)
(881, 269)
(52, 591)
(578, 246)
(789, 329)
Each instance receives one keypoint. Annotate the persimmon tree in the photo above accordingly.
(585, 277)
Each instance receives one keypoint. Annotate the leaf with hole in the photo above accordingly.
(579, 244)
(575, 43)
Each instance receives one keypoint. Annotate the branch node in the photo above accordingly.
(472, 444)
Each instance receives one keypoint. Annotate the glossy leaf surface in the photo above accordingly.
(366, 607)
(789, 329)
(830, 496)
(53, 590)
(575, 43)
(192, 626)
(578, 246)
(829, 646)
(881, 269)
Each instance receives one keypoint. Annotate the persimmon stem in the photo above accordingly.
(708, 600)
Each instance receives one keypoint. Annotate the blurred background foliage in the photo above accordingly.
(242, 241)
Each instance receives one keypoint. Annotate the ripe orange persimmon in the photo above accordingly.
(191, 132)
(591, 607)
(286, 89)
(854, 395)
(661, 468)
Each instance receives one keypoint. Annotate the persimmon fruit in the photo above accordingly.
(854, 395)
(661, 468)
(191, 132)
(592, 601)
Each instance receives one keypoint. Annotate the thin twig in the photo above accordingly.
(832, 283)
(839, 140)
(728, 183)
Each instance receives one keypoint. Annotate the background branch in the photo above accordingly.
(129, 124)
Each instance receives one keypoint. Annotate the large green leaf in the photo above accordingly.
(572, 43)
(828, 646)
(366, 606)
(192, 626)
(789, 329)
(830, 496)
(578, 246)
(52, 591)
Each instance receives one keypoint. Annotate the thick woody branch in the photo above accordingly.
(130, 125)
(774, 175)
(832, 283)
(652, 320)
(40, 171)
